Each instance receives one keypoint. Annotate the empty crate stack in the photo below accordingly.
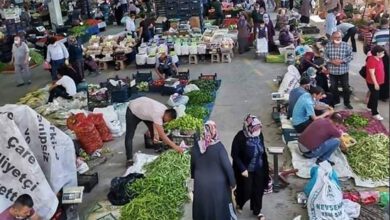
(179, 9)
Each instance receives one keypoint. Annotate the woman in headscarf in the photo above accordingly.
(244, 30)
(213, 178)
(250, 165)
(271, 33)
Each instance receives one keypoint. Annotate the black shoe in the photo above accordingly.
(19, 85)
(129, 163)
(348, 106)
(29, 83)
(318, 161)
(331, 163)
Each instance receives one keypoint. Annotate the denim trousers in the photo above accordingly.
(325, 150)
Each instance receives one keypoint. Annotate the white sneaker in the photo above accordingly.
(378, 117)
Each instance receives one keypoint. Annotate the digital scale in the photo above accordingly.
(72, 195)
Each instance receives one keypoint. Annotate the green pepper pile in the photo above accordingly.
(199, 97)
(163, 192)
(197, 111)
(369, 158)
(356, 121)
(357, 135)
(185, 124)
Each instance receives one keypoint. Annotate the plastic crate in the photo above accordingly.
(208, 76)
(289, 135)
(149, 142)
(189, 140)
(98, 101)
(143, 77)
(120, 95)
(155, 89)
(310, 30)
(184, 75)
(89, 181)
(172, 90)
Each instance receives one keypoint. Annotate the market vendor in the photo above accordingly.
(64, 87)
(217, 8)
(21, 209)
(321, 145)
(304, 111)
(173, 29)
(296, 93)
(165, 67)
(154, 115)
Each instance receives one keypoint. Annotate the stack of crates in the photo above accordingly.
(183, 9)
(160, 8)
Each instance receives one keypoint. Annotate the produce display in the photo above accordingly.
(356, 121)
(36, 57)
(36, 98)
(143, 87)
(308, 40)
(199, 97)
(197, 111)
(205, 85)
(185, 124)
(274, 58)
(163, 192)
(369, 158)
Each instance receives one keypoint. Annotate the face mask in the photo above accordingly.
(256, 133)
(337, 41)
(262, 26)
(17, 41)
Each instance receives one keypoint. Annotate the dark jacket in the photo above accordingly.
(75, 52)
(242, 155)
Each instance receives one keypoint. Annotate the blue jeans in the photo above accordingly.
(55, 65)
(325, 150)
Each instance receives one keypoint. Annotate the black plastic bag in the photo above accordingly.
(119, 195)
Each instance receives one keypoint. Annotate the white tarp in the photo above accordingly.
(20, 171)
(53, 149)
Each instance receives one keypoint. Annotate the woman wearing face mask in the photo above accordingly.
(243, 34)
(57, 55)
(375, 76)
(250, 165)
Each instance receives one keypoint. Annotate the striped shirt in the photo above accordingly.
(342, 52)
(381, 37)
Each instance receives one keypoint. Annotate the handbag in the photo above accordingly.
(363, 72)
(46, 66)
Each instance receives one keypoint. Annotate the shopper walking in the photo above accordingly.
(244, 30)
(257, 16)
(338, 55)
(349, 31)
(76, 59)
(321, 145)
(305, 11)
(331, 23)
(213, 178)
(250, 165)
(57, 55)
(375, 77)
(20, 60)
(154, 115)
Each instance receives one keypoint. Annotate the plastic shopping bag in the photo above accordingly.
(325, 201)
(351, 208)
(177, 99)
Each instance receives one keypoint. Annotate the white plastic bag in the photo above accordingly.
(193, 49)
(290, 80)
(175, 59)
(143, 49)
(180, 110)
(151, 60)
(140, 58)
(177, 99)
(185, 50)
(177, 48)
(325, 201)
(190, 88)
(351, 208)
(202, 48)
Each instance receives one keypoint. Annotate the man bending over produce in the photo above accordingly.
(304, 109)
(165, 67)
(154, 115)
(321, 138)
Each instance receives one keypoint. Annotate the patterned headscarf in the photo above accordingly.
(252, 126)
(210, 136)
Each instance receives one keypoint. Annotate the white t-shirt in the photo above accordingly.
(68, 84)
(148, 109)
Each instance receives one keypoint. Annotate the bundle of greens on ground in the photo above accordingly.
(369, 158)
(185, 124)
(197, 111)
(163, 192)
(199, 97)
(205, 85)
(356, 121)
